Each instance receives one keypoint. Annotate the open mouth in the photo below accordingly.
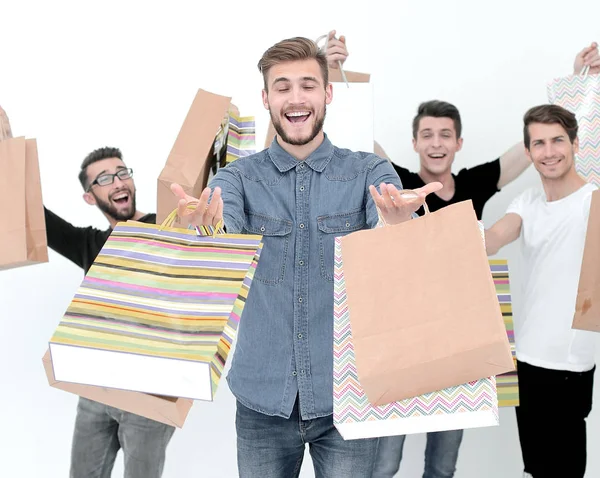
(437, 155)
(297, 116)
(121, 198)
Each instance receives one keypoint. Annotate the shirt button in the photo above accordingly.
(301, 263)
(294, 373)
(302, 372)
(301, 226)
(347, 224)
(301, 188)
(299, 299)
(299, 336)
(262, 229)
(301, 165)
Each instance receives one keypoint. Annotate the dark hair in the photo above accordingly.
(550, 114)
(293, 49)
(97, 155)
(437, 109)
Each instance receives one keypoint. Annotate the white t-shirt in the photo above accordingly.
(552, 243)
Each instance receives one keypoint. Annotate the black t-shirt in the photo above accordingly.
(80, 245)
(478, 184)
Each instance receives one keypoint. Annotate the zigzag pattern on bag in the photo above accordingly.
(350, 404)
(581, 95)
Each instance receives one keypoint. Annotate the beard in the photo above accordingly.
(108, 208)
(317, 127)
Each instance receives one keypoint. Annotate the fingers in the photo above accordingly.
(333, 59)
(178, 191)
(590, 54)
(376, 197)
(219, 214)
(213, 207)
(429, 188)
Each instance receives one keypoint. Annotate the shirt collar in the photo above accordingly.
(317, 160)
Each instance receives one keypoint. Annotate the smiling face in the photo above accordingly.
(437, 144)
(116, 200)
(551, 150)
(297, 100)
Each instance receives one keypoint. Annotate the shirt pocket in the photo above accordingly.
(276, 238)
(333, 226)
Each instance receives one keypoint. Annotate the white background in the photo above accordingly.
(78, 76)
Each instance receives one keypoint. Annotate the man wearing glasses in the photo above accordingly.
(100, 430)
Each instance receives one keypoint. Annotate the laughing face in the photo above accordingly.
(551, 150)
(436, 144)
(297, 100)
(116, 200)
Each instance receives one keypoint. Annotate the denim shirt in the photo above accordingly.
(284, 343)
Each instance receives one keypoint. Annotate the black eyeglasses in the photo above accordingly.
(106, 179)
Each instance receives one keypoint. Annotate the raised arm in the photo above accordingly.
(505, 231)
(512, 164)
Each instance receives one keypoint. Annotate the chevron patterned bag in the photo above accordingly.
(158, 310)
(580, 94)
(472, 405)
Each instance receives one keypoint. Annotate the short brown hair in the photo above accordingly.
(293, 49)
(550, 114)
(97, 155)
(437, 109)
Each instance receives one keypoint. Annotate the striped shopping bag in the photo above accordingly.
(158, 310)
(507, 383)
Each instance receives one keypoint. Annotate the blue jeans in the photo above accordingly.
(441, 455)
(273, 447)
(100, 431)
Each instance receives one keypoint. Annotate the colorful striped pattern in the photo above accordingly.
(507, 383)
(350, 404)
(581, 95)
(241, 138)
(166, 293)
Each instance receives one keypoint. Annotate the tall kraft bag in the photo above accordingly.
(587, 305)
(212, 135)
(23, 229)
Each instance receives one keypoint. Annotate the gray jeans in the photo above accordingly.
(441, 455)
(100, 431)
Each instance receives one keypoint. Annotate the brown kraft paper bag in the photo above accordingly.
(23, 233)
(190, 160)
(169, 410)
(587, 306)
(423, 306)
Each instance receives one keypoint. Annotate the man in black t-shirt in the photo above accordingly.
(100, 430)
(437, 138)
(437, 130)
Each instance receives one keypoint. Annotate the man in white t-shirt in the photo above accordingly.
(555, 363)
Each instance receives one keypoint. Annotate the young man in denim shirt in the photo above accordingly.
(299, 194)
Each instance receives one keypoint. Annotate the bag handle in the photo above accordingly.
(407, 193)
(324, 50)
(584, 71)
(200, 230)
